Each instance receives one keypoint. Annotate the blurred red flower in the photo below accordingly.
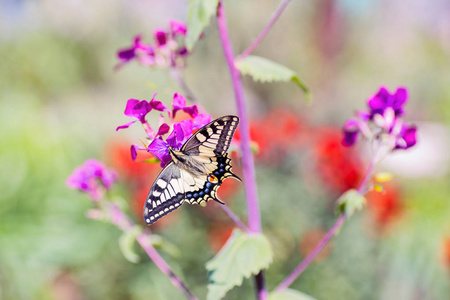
(118, 153)
(278, 133)
(385, 206)
(339, 167)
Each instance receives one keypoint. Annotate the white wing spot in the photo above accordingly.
(201, 137)
(147, 220)
(161, 183)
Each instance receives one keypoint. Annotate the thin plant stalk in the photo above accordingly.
(266, 29)
(119, 219)
(329, 235)
(233, 217)
(254, 219)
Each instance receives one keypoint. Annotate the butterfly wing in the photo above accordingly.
(176, 184)
(213, 139)
(167, 194)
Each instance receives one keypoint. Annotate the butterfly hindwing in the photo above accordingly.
(213, 139)
(166, 194)
(206, 186)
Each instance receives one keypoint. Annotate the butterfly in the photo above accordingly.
(195, 172)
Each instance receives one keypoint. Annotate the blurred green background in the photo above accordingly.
(61, 100)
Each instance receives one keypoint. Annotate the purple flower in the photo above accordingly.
(160, 149)
(137, 49)
(383, 99)
(351, 130)
(139, 109)
(383, 122)
(407, 137)
(168, 50)
(160, 37)
(178, 28)
(200, 121)
(92, 177)
(181, 132)
(179, 103)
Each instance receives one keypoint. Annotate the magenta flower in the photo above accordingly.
(407, 137)
(382, 122)
(138, 50)
(179, 103)
(179, 132)
(139, 110)
(167, 51)
(93, 177)
(383, 100)
(178, 28)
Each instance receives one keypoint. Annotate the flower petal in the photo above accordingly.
(125, 125)
(407, 137)
(200, 121)
(178, 28)
(160, 149)
(137, 109)
(160, 37)
(191, 110)
(163, 129)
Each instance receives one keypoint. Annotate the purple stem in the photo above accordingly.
(340, 220)
(266, 29)
(254, 221)
(233, 217)
(119, 219)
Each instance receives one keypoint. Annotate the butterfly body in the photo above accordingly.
(196, 171)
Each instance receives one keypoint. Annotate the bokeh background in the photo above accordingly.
(61, 100)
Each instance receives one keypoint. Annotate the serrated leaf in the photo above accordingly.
(264, 70)
(126, 243)
(199, 16)
(351, 201)
(241, 256)
(289, 294)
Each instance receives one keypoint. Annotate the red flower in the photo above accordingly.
(119, 157)
(340, 167)
(278, 133)
(385, 206)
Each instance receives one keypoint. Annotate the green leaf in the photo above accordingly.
(289, 294)
(242, 255)
(199, 15)
(264, 70)
(351, 201)
(126, 243)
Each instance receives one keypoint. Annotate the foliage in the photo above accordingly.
(242, 256)
(264, 70)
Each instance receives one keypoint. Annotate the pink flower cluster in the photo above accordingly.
(383, 121)
(179, 131)
(168, 49)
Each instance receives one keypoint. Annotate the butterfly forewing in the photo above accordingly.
(213, 139)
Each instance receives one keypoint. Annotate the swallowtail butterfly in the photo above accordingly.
(195, 172)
